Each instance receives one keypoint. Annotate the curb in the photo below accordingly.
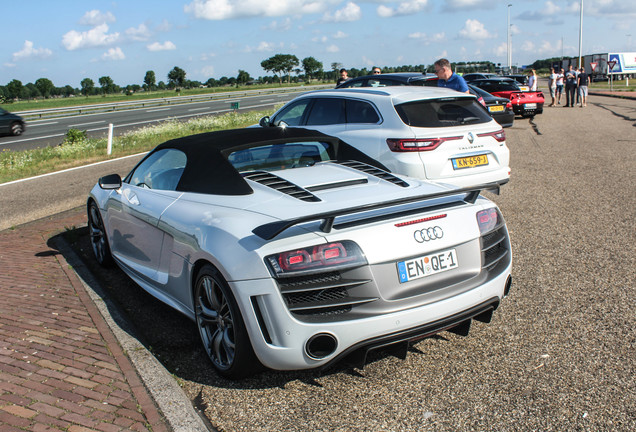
(139, 365)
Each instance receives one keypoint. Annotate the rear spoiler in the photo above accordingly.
(270, 230)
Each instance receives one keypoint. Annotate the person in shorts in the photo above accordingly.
(583, 82)
(560, 76)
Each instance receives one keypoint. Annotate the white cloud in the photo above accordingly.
(141, 33)
(340, 35)
(409, 7)
(113, 54)
(228, 9)
(206, 71)
(166, 46)
(283, 25)
(474, 30)
(96, 17)
(501, 50)
(464, 5)
(351, 12)
(426, 39)
(333, 49)
(28, 51)
(94, 37)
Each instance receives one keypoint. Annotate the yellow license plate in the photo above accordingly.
(495, 108)
(470, 161)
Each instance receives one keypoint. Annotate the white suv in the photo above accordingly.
(424, 132)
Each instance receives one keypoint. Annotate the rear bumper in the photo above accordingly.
(280, 340)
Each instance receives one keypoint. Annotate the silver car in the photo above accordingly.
(291, 249)
(428, 133)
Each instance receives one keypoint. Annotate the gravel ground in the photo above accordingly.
(559, 354)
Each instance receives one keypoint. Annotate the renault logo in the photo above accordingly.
(428, 234)
(471, 137)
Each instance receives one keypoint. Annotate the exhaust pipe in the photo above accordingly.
(321, 345)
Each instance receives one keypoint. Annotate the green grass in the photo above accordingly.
(617, 85)
(29, 105)
(16, 165)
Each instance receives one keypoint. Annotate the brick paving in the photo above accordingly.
(61, 368)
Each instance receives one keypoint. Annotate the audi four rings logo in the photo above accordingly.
(428, 234)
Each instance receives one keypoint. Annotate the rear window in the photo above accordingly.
(442, 112)
(280, 156)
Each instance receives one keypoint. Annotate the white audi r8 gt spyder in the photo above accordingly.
(428, 133)
(291, 249)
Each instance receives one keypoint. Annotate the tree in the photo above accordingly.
(280, 63)
(45, 86)
(87, 86)
(311, 67)
(242, 78)
(150, 80)
(176, 77)
(107, 84)
(14, 89)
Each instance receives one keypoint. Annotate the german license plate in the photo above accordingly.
(530, 106)
(470, 161)
(496, 108)
(427, 265)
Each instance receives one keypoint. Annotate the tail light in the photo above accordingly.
(481, 101)
(499, 135)
(417, 145)
(489, 219)
(509, 105)
(316, 259)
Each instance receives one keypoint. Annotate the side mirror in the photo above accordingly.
(264, 122)
(111, 181)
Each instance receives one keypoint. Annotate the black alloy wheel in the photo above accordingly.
(17, 128)
(98, 239)
(221, 326)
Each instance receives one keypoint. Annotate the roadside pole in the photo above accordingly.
(109, 146)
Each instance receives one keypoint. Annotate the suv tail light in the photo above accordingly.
(499, 135)
(417, 145)
(316, 259)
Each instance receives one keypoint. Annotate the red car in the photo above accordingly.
(524, 103)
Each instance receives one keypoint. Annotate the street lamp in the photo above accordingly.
(509, 44)
(581, 35)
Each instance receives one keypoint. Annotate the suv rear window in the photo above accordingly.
(442, 112)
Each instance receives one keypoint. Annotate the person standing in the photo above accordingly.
(532, 80)
(552, 85)
(344, 76)
(448, 78)
(583, 81)
(559, 85)
(570, 87)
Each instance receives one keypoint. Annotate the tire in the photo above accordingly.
(16, 128)
(98, 239)
(221, 326)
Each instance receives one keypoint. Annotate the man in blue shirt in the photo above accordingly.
(447, 78)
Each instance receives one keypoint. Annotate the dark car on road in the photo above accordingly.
(499, 108)
(391, 79)
(477, 75)
(10, 123)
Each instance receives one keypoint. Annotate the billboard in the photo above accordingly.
(625, 62)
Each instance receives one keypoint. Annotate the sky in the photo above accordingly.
(69, 40)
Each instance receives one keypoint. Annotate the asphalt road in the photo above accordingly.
(48, 132)
(559, 354)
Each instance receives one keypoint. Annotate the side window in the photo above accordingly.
(160, 170)
(354, 83)
(361, 112)
(293, 114)
(327, 111)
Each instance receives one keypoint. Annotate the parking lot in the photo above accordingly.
(558, 355)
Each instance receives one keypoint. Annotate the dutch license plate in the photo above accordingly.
(427, 265)
(470, 161)
(495, 108)
(530, 106)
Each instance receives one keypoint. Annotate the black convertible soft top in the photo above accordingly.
(208, 170)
